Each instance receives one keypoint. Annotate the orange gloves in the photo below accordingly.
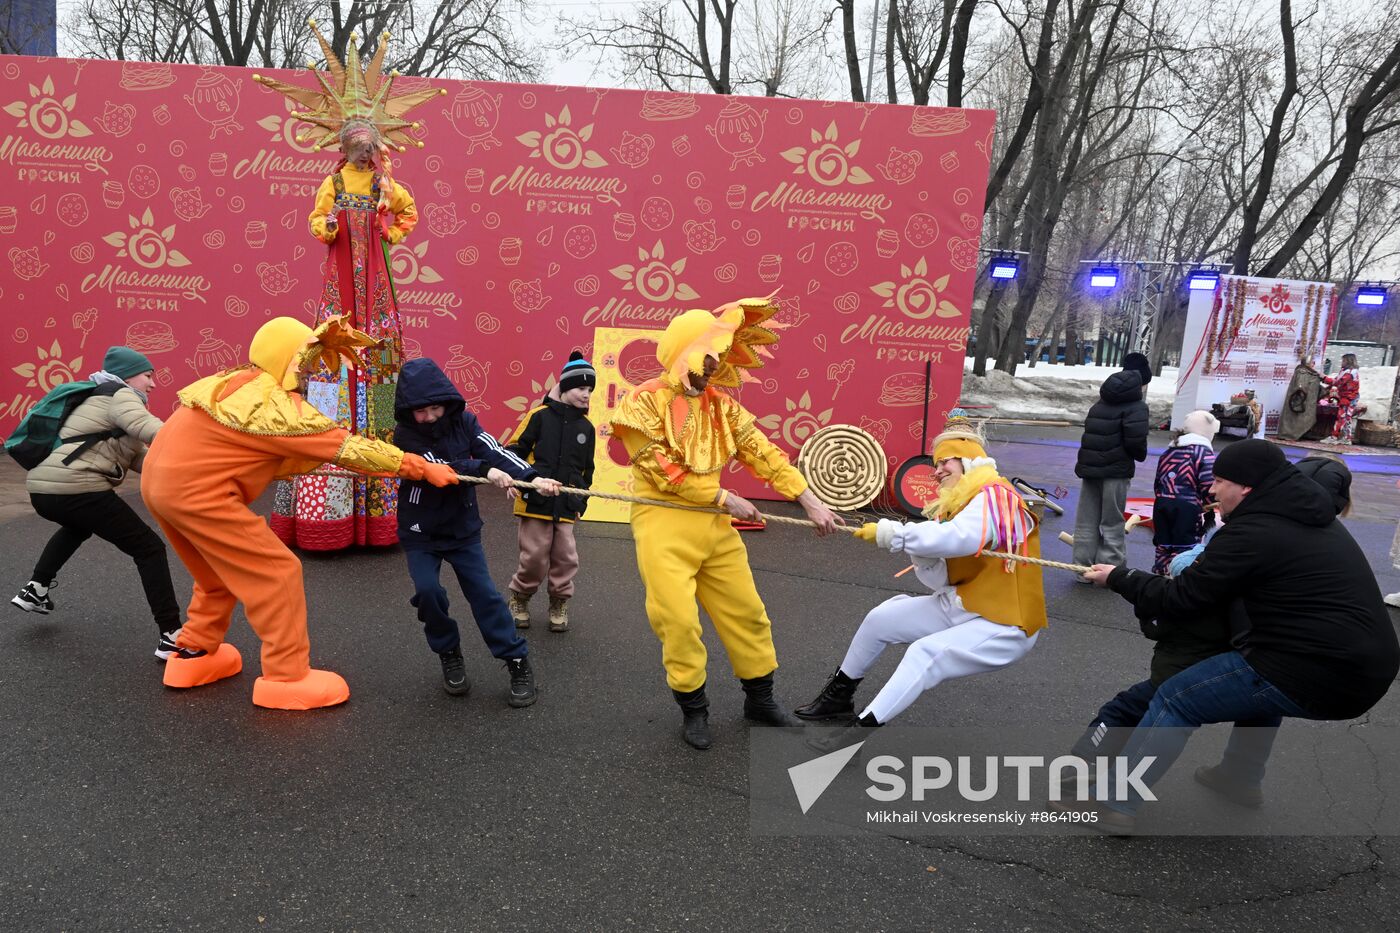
(439, 474)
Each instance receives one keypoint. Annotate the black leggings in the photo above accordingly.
(105, 514)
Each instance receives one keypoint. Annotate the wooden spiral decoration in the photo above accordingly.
(845, 466)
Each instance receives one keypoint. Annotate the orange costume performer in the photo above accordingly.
(237, 431)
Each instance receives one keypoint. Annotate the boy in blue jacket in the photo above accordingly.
(442, 524)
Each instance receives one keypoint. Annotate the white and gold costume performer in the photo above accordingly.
(983, 613)
(681, 432)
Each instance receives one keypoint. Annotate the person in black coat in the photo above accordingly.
(444, 524)
(557, 439)
(1182, 641)
(1318, 643)
(1114, 441)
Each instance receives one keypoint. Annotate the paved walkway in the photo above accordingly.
(128, 806)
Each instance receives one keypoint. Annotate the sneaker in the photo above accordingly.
(559, 613)
(519, 605)
(34, 598)
(187, 654)
(1233, 790)
(1393, 599)
(454, 673)
(522, 682)
(166, 646)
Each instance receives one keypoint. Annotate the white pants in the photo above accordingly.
(945, 641)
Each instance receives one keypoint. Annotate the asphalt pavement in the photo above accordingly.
(126, 805)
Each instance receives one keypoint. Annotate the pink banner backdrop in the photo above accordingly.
(165, 207)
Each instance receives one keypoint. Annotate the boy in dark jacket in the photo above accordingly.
(556, 438)
(444, 524)
(1115, 435)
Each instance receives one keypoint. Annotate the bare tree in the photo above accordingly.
(684, 45)
(137, 30)
(447, 38)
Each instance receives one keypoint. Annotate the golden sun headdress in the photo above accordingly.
(349, 94)
(737, 334)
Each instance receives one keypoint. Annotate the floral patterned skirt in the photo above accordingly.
(324, 511)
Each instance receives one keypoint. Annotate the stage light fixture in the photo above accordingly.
(1203, 280)
(1372, 296)
(1003, 268)
(1103, 277)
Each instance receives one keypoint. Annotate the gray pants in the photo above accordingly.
(1098, 522)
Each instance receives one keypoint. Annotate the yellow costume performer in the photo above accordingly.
(982, 613)
(681, 433)
(236, 432)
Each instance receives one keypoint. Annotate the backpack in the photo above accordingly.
(37, 435)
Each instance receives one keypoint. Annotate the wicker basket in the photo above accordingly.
(1375, 434)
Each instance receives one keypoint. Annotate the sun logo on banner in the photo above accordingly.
(797, 423)
(828, 162)
(282, 128)
(560, 145)
(655, 279)
(147, 246)
(407, 265)
(47, 115)
(915, 295)
(50, 371)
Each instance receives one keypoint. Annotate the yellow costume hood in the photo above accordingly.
(738, 335)
(257, 398)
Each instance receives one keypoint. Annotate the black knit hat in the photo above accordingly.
(1249, 462)
(1332, 476)
(1138, 364)
(577, 373)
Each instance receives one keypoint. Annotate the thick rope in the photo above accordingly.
(779, 519)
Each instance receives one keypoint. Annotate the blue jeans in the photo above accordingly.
(488, 608)
(1219, 689)
(1245, 754)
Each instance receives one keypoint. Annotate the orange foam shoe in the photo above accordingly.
(196, 672)
(315, 690)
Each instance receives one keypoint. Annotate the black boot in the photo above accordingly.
(522, 682)
(696, 709)
(454, 673)
(759, 705)
(833, 738)
(836, 701)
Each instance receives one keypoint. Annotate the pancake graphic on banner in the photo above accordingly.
(52, 144)
(153, 276)
(560, 176)
(828, 196)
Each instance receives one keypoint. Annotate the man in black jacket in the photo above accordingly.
(444, 524)
(1115, 437)
(1319, 643)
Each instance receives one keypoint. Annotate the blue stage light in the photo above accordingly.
(1203, 280)
(1371, 295)
(1003, 268)
(1103, 277)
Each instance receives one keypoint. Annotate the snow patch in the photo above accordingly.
(1065, 393)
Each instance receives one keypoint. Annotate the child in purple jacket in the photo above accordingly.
(1182, 489)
